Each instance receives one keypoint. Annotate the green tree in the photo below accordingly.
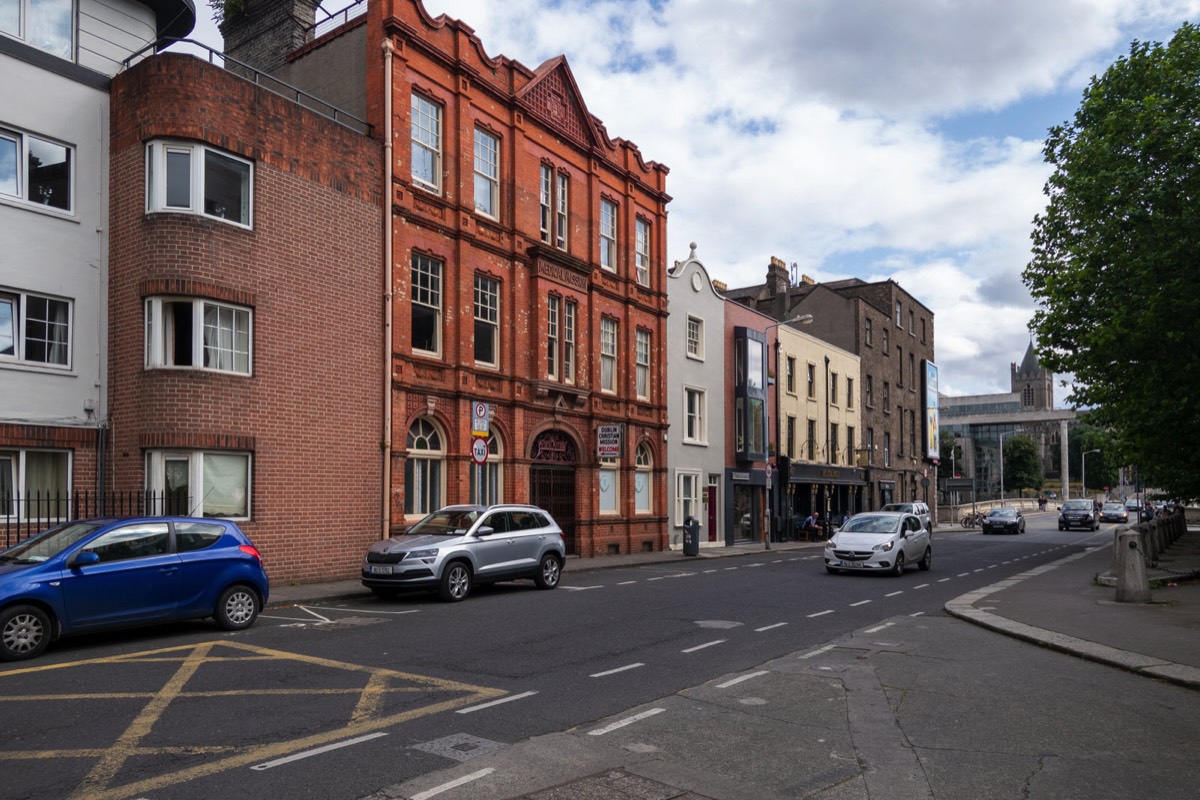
(1022, 465)
(1115, 257)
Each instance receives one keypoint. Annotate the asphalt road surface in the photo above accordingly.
(340, 701)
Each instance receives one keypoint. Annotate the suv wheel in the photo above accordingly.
(456, 582)
(549, 572)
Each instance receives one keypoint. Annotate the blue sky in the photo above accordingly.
(855, 138)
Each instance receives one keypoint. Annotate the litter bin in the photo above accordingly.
(691, 536)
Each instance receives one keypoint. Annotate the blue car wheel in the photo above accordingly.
(24, 632)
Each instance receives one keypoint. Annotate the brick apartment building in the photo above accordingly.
(527, 249)
(246, 352)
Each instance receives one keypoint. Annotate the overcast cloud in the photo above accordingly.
(856, 138)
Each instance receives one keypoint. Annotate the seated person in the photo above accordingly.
(812, 526)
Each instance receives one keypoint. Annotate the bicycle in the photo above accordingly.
(971, 520)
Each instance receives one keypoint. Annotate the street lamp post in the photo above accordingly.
(1007, 433)
(802, 319)
(1083, 470)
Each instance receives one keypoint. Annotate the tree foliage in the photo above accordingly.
(1115, 257)
(1022, 465)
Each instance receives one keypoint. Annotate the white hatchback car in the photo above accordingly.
(880, 541)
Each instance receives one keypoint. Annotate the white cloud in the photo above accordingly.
(873, 138)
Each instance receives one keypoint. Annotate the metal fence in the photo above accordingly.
(22, 516)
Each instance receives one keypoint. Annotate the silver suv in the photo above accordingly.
(458, 547)
(920, 509)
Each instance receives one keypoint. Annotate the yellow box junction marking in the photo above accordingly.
(100, 782)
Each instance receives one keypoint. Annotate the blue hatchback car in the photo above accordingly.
(93, 574)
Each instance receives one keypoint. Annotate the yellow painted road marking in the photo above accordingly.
(102, 780)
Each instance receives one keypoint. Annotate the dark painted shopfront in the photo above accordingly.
(832, 490)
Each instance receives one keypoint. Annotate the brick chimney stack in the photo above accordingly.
(264, 32)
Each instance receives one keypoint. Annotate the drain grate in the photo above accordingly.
(460, 746)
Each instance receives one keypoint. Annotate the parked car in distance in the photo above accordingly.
(458, 547)
(1077, 514)
(879, 541)
(1113, 512)
(94, 574)
(1004, 520)
(919, 509)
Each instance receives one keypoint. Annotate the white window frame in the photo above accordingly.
(553, 334)
(608, 235)
(487, 317)
(199, 463)
(561, 209)
(695, 415)
(643, 480)
(164, 195)
(428, 295)
(608, 479)
(609, 338)
(19, 189)
(487, 173)
(35, 29)
(546, 202)
(642, 251)
(687, 495)
(426, 134)
(570, 315)
(15, 339)
(695, 338)
(235, 336)
(424, 468)
(849, 392)
(833, 388)
(642, 360)
(15, 473)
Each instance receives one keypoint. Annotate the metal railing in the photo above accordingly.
(23, 516)
(258, 78)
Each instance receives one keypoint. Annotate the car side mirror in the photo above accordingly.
(85, 557)
(485, 530)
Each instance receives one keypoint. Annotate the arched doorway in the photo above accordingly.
(552, 481)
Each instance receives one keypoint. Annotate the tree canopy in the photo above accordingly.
(1116, 257)
(1022, 466)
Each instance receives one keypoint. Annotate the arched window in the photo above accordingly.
(487, 480)
(643, 487)
(424, 473)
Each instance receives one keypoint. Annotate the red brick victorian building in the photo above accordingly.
(528, 251)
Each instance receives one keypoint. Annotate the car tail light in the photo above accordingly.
(250, 550)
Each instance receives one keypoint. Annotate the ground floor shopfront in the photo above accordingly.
(834, 491)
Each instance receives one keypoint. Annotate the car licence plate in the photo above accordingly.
(381, 569)
(851, 564)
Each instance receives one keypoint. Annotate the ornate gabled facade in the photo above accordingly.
(528, 250)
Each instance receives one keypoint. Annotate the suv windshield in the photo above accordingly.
(1077, 505)
(445, 523)
(905, 507)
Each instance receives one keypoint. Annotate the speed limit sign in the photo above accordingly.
(479, 451)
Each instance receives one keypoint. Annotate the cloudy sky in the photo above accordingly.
(855, 138)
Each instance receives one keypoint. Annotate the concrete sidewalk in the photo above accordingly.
(1060, 605)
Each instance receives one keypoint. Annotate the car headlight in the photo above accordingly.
(884, 547)
(427, 556)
